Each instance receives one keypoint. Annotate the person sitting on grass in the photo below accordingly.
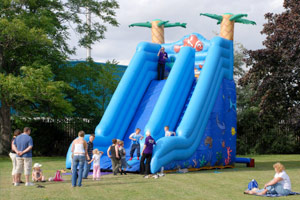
(280, 184)
(37, 174)
(135, 137)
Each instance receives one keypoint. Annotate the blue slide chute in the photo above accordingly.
(218, 65)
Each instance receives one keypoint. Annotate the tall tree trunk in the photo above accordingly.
(5, 128)
(158, 35)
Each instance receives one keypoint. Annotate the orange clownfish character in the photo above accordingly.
(191, 41)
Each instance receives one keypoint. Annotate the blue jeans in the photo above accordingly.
(78, 160)
(277, 189)
(133, 148)
(87, 168)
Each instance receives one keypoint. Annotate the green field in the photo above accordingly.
(206, 184)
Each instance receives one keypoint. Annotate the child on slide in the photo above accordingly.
(169, 133)
(135, 137)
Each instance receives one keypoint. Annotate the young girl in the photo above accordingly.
(37, 174)
(96, 166)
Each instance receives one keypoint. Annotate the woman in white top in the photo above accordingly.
(280, 184)
(79, 155)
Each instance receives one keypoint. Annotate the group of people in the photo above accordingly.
(83, 154)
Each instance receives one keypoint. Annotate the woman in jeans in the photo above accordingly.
(280, 184)
(79, 154)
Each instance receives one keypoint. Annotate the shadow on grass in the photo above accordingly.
(260, 166)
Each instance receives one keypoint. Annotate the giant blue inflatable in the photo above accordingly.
(201, 110)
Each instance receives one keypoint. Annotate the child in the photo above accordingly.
(37, 174)
(96, 166)
(169, 133)
(135, 137)
(122, 154)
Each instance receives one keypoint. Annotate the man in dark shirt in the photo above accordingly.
(90, 147)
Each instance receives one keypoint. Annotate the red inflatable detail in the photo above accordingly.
(191, 41)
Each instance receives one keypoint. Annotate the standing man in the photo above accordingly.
(90, 147)
(162, 58)
(23, 147)
(135, 137)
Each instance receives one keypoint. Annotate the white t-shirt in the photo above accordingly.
(286, 180)
(169, 133)
(97, 158)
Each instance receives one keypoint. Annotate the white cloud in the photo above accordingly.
(120, 42)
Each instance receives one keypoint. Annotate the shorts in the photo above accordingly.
(24, 164)
(123, 163)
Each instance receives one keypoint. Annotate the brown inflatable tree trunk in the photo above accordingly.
(227, 27)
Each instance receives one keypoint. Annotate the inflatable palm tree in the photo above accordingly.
(157, 28)
(227, 21)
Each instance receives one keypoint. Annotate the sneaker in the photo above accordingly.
(16, 184)
(130, 159)
(29, 184)
(146, 176)
(138, 158)
(156, 176)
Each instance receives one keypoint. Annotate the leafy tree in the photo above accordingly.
(271, 87)
(238, 63)
(93, 85)
(32, 94)
(34, 34)
(275, 71)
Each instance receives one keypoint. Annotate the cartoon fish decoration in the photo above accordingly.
(233, 132)
(223, 144)
(191, 41)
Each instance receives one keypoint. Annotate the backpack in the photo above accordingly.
(252, 184)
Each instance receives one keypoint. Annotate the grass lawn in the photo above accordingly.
(206, 184)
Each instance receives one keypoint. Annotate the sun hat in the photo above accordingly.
(37, 165)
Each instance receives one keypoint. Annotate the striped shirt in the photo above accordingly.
(90, 149)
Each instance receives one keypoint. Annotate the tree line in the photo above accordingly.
(38, 88)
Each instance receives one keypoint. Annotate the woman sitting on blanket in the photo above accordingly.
(280, 184)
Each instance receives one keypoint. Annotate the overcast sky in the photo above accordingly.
(120, 42)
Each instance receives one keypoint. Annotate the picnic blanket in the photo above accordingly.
(279, 195)
(276, 195)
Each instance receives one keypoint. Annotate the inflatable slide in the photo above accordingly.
(197, 100)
